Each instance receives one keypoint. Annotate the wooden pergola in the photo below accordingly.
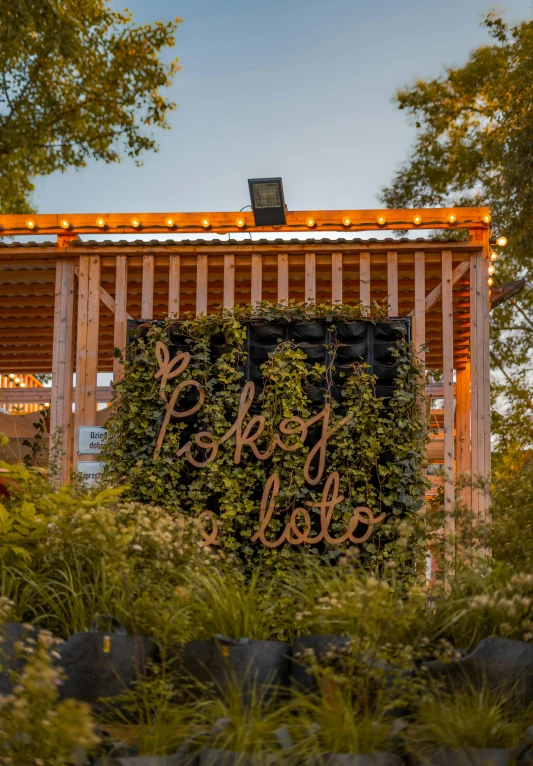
(65, 304)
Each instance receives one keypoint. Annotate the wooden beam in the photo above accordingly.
(60, 395)
(44, 395)
(224, 222)
(107, 299)
(364, 281)
(392, 283)
(336, 277)
(257, 278)
(147, 301)
(420, 305)
(283, 278)
(229, 281)
(310, 278)
(436, 294)
(201, 285)
(463, 462)
(447, 369)
(120, 312)
(174, 285)
(87, 341)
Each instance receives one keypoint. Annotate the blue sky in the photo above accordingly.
(297, 88)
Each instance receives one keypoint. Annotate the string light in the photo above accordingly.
(310, 222)
(452, 218)
(417, 219)
(17, 380)
(170, 222)
(382, 220)
(346, 221)
(493, 256)
(64, 223)
(501, 241)
(490, 281)
(23, 385)
(241, 223)
(47, 404)
(492, 269)
(100, 222)
(135, 223)
(11, 375)
(206, 223)
(30, 223)
(487, 218)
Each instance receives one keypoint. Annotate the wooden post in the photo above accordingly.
(364, 281)
(392, 283)
(336, 277)
(147, 301)
(257, 278)
(463, 464)
(62, 371)
(121, 313)
(87, 341)
(283, 278)
(420, 305)
(480, 380)
(310, 278)
(447, 368)
(229, 281)
(201, 284)
(174, 285)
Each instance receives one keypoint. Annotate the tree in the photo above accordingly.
(78, 81)
(474, 145)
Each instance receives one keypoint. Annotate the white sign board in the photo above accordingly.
(91, 440)
(90, 471)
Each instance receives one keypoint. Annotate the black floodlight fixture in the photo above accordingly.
(268, 202)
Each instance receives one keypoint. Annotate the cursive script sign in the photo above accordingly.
(246, 436)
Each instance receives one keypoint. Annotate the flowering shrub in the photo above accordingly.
(35, 728)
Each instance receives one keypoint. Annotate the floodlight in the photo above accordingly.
(268, 202)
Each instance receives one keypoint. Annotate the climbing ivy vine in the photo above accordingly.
(378, 452)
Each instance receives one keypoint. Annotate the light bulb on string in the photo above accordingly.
(487, 218)
(346, 221)
(382, 220)
(135, 222)
(310, 222)
(241, 223)
(492, 269)
(100, 222)
(494, 256)
(452, 218)
(30, 223)
(169, 222)
(490, 281)
(417, 219)
(64, 223)
(206, 223)
(501, 241)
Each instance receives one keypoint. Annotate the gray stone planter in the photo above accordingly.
(301, 676)
(247, 664)
(213, 757)
(469, 757)
(500, 663)
(381, 758)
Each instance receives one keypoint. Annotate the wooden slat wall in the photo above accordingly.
(424, 283)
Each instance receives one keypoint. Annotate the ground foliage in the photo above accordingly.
(378, 453)
(79, 81)
(473, 146)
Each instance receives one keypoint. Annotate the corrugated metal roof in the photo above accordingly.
(226, 242)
